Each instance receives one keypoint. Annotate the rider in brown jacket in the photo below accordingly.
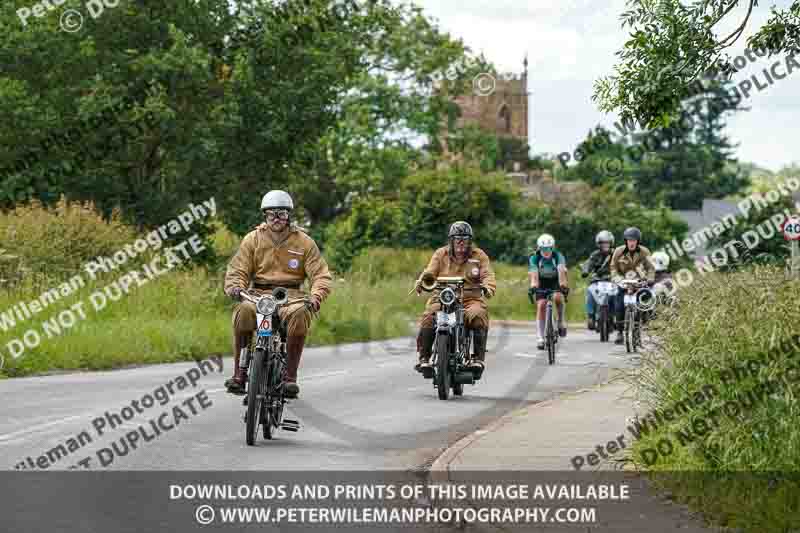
(460, 258)
(631, 256)
(275, 254)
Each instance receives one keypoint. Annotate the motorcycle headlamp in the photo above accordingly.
(266, 305)
(447, 296)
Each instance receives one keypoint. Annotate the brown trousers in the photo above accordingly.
(476, 314)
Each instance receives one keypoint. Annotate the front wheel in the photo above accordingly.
(442, 364)
(550, 335)
(630, 324)
(256, 386)
(603, 323)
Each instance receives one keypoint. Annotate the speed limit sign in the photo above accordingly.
(791, 228)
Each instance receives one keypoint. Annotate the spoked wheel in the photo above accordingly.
(273, 378)
(603, 323)
(442, 372)
(630, 345)
(256, 391)
(550, 336)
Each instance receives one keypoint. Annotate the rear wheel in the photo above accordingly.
(550, 334)
(442, 363)
(255, 396)
(603, 323)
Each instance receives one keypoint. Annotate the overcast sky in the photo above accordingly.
(571, 43)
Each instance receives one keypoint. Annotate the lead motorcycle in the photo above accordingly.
(265, 359)
(452, 341)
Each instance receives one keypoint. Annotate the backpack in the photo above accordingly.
(540, 258)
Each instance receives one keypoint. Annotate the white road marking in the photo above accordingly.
(38, 427)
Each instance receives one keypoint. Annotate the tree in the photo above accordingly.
(200, 98)
(673, 44)
(677, 166)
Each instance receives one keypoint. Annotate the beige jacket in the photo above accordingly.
(294, 260)
(623, 261)
(476, 271)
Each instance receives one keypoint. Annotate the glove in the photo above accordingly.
(532, 294)
(235, 294)
(316, 303)
(565, 291)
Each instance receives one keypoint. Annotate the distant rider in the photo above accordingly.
(599, 267)
(459, 258)
(631, 256)
(663, 285)
(547, 269)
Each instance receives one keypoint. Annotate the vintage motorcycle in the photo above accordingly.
(452, 341)
(639, 300)
(265, 360)
(602, 291)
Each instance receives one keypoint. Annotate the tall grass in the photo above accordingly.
(726, 322)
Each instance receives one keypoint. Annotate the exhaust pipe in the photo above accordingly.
(464, 378)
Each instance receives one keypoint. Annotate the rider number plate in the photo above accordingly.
(630, 299)
(265, 329)
(606, 286)
(443, 318)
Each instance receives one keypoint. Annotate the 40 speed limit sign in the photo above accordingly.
(791, 228)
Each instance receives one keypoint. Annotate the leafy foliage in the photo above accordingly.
(673, 44)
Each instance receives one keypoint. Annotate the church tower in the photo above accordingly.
(502, 111)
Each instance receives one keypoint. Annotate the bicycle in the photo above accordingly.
(550, 327)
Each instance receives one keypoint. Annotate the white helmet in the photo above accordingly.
(660, 260)
(545, 240)
(604, 236)
(277, 200)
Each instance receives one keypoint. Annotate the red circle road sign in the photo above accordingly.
(791, 228)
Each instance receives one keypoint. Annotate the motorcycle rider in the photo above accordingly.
(663, 279)
(631, 256)
(547, 269)
(459, 258)
(599, 267)
(276, 253)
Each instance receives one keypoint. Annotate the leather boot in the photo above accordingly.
(476, 364)
(236, 384)
(426, 338)
(294, 350)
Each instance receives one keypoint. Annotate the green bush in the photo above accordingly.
(62, 238)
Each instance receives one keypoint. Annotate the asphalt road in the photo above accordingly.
(362, 407)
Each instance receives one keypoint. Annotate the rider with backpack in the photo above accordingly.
(547, 269)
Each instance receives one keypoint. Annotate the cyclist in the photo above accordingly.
(631, 256)
(547, 269)
(599, 267)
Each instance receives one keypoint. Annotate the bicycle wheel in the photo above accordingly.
(603, 323)
(629, 325)
(550, 334)
(255, 396)
(442, 370)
